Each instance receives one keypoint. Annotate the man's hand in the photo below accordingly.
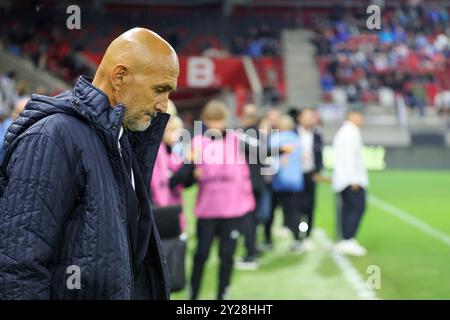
(317, 177)
(197, 174)
(287, 148)
(284, 161)
(355, 187)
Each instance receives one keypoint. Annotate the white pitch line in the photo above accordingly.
(410, 219)
(348, 270)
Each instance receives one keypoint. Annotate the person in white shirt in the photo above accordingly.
(350, 182)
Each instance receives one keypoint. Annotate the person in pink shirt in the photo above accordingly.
(224, 194)
(165, 191)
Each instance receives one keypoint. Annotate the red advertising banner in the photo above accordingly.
(205, 72)
(199, 72)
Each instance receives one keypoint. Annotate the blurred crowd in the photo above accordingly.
(42, 37)
(14, 94)
(409, 57)
(46, 46)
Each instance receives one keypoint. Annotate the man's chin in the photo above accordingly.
(139, 127)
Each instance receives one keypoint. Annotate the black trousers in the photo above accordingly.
(289, 202)
(308, 200)
(249, 225)
(227, 230)
(350, 211)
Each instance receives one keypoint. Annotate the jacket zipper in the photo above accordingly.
(124, 175)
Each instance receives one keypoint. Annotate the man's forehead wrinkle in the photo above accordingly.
(161, 62)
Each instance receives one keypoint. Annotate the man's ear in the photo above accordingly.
(117, 76)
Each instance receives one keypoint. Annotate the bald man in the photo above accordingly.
(75, 218)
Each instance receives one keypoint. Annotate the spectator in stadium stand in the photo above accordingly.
(414, 41)
(75, 218)
(311, 146)
(224, 195)
(6, 121)
(350, 182)
(8, 91)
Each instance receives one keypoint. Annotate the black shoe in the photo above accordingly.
(267, 246)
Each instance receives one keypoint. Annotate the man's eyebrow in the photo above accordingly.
(165, 87)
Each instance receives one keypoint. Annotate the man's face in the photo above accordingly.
(357, 119)
(273, 116)
(216, 124)
(307, 118)
(250, 116)
(146, 92)
(170, 137)
(360, 120)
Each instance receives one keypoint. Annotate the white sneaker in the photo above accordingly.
(308, 245)
(246, 265)
(339, 246)
(283, 232)
(361, 251)
(297, 246)
(350, 247)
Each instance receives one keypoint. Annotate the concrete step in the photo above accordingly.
(302, 76)
(26, 70)
(378, 135)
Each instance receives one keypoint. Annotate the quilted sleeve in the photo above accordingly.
(35, 203)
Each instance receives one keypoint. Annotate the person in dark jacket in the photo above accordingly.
(75, 218)
(311, 144)
(253, 143)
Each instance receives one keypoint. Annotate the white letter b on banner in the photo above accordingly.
(200, 72)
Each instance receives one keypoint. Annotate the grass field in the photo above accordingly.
(406, 230)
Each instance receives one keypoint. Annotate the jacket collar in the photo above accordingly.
(93, 105)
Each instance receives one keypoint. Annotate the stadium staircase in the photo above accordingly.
(429, 130)
(302, 75)
(25, 70)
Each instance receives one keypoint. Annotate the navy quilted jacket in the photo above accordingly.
(62, 188)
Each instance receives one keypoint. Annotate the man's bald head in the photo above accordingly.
(137, 48)
(139, 69)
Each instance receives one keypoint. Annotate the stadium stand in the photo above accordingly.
(393, 74)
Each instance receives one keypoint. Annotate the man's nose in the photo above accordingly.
(162, 105)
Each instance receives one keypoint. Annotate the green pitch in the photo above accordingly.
(406, 230)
